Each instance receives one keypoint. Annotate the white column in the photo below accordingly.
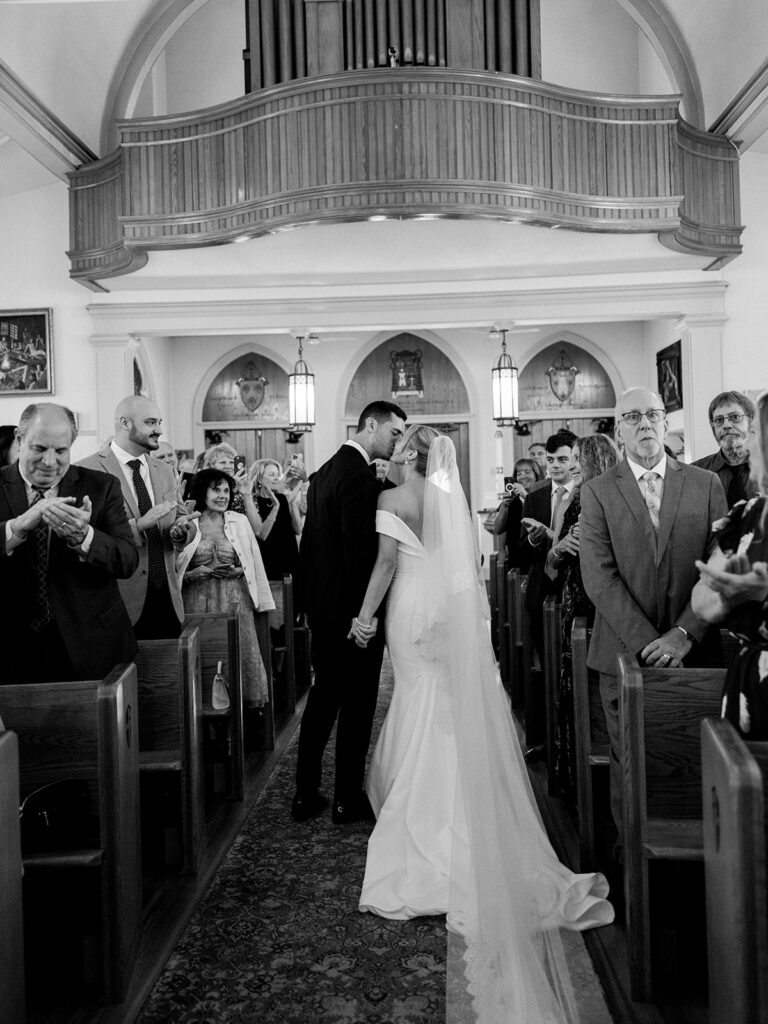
(702, 358)
(114, 377)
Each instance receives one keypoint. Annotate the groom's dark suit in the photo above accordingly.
(338, 551)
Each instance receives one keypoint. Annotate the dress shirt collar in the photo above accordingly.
(640, 471)
(358, 448)
(124, 457)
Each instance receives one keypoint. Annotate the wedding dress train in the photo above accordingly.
(457, 830)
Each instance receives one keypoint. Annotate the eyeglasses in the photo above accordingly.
(733, 417)
(634, 416)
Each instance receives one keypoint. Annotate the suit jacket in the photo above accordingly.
(538, 506)
(339, 541)
(83, 593)
(639, 583)
(716, 464)
(134, 590)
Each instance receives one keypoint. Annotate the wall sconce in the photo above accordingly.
(301, 394)
(506, 409)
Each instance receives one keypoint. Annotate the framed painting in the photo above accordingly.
(26, 357)
(668, 371)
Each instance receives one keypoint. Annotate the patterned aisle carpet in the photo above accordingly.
(278, 938)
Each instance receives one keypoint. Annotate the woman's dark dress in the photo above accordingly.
(745, 695)
(279, 552)
(574, 602)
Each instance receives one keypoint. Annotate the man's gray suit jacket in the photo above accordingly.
(134, 590)
(640, 584)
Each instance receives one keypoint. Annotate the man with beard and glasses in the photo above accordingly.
(152, 507)
(731, 415)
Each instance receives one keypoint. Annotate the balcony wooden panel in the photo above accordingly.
(405, 143)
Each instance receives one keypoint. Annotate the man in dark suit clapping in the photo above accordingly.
(338, 551)
(64, 542)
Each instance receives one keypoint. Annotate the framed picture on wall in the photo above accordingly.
(668, 371)
(26, 358)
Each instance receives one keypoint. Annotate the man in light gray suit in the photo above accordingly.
(643, 525)
(149, 493)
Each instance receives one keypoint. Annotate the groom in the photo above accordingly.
(338, 551)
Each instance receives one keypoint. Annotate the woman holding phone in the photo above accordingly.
(280, 518)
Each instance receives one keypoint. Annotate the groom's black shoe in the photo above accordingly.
(308, 805)
(351, 809)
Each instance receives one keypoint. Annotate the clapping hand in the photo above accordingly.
(567, 545)
(155, 514)
(182, 530)
(363, 632)
(738, 581)
(67, 520)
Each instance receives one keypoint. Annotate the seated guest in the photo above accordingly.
(591, 456)
(64, 543)
(731, 415)
(733, 589)
(219, 566)
(506, 524)
(280, 518)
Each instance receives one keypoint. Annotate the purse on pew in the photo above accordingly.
(58, 817)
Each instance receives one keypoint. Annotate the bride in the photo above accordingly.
(457, 829)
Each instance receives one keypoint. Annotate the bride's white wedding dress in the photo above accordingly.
(457, 829)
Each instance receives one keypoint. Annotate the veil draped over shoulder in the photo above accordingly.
(509, 894)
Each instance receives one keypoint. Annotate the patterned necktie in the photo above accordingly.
(156, 559)
(558, 512)
(653, 497)
(38, 539)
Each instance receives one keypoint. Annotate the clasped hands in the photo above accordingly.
(363, 632)
(667, 650)
(737, 581)
(64, 517)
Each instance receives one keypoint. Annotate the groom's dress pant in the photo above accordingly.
(346, 686)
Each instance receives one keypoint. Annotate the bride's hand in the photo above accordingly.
(363, 632)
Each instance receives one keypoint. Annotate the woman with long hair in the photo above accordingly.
(592, 456)
(457, 830)
(733, 588)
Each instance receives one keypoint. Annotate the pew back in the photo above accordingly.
(735, 789)
(87, 730)
(552, 661)
(12, 930)
(515, 636)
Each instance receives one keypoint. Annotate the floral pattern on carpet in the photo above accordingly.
(278, 938)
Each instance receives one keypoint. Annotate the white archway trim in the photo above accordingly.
(570, 337)
(144, 47)
(665, 37)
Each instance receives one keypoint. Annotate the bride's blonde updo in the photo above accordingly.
(418, 438)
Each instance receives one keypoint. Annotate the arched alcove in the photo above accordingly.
(563, 378)
(251, 388)
(413, 372)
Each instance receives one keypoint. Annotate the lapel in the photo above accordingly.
(111, 465)
(670, 499)
(15, 492)
(630, 490)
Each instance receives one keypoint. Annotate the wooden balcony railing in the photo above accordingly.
(404, 143)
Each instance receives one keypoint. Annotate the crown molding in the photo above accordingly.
(745, 119)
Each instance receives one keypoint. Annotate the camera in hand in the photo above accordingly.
(509, 484)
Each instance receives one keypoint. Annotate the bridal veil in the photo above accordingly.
(509, 894)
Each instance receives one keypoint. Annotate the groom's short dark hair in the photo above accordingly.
(381, 412)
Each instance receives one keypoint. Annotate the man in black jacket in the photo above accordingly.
(731, 415)
(338, 551)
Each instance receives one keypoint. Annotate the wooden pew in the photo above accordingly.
(219, 635)
(87, 730)
(734, 791)
(660, 712)
(515, 643)
(284, 654)
(170, 730)
(265, 646)
(493, 599)
(12, 930)
(551, 680)
(591, 741)
(531, 673)
(502, 620)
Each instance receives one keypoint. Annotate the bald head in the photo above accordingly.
(138, 425)
(45, 434)
(643, 440)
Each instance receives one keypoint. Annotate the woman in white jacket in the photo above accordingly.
(218, 565)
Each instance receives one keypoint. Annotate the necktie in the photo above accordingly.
(43, 615)
(653, 497)
(737, 488)
(156, 559)
(558, 512)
